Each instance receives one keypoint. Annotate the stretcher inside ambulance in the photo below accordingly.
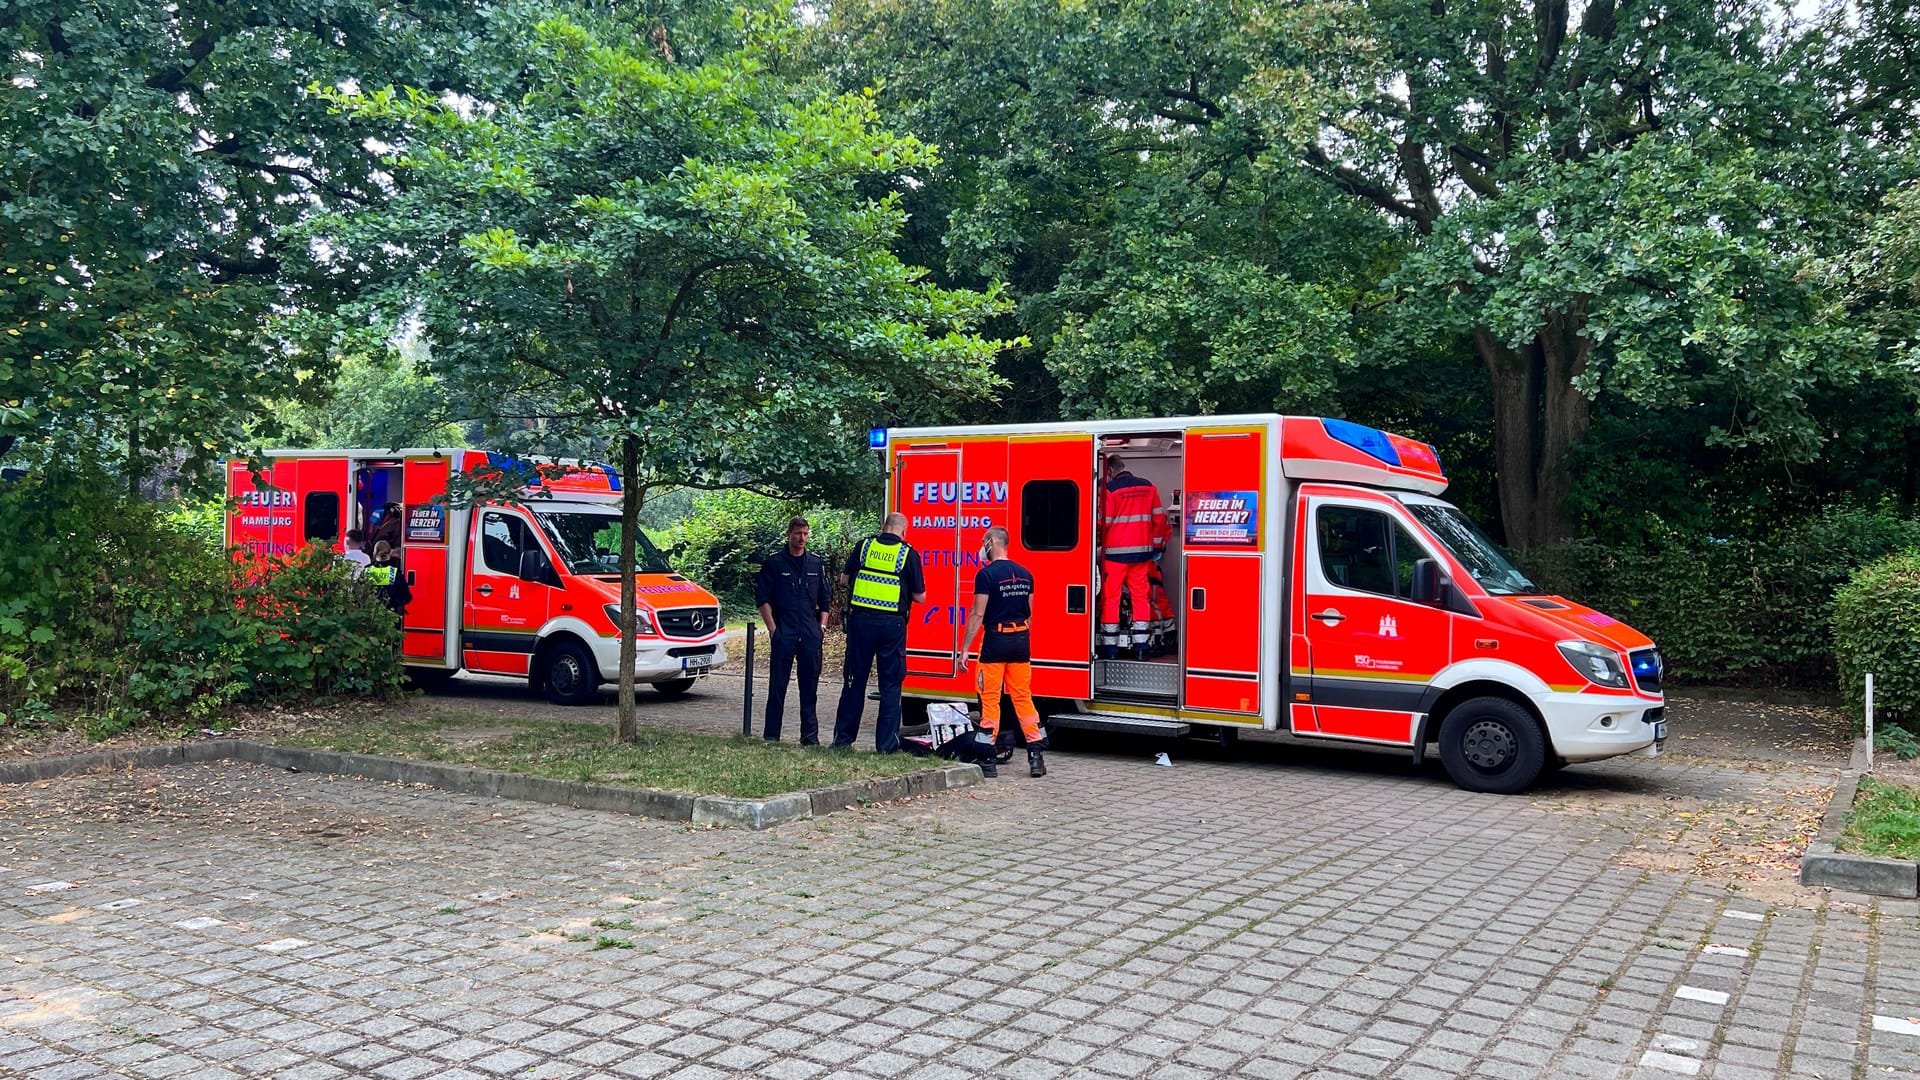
(526, 587)
(1306, 577)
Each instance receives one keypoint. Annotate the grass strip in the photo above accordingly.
(727, 765)
(1884, 821)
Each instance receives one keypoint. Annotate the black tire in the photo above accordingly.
(673, 688)
(570, 675)
(1492, 745)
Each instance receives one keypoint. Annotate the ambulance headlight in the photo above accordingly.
(1596, 663)
(642, 620)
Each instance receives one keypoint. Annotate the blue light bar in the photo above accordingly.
(877, 438)
(1370, 441)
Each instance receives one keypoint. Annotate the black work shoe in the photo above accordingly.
(989, 770)
(1036, 765)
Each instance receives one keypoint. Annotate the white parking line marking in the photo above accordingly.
(200, 923)
(1896, 1025)
(285, 944)
(116, 905)
(1675, 1044)
(51, 886)
(1750, 916)
(1673, 1063)
(1695, 993)
(1725, 950)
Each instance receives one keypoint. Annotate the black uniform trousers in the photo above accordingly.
(795, 648)
(872, 640)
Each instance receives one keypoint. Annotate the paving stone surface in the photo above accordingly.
(1278, 912)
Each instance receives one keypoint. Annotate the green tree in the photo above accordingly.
(1613, 200)
(688, 261)
(383, 401)
(153, 154)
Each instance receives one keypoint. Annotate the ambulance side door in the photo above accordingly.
(504, 612)
(1050, 522)
(423, 552)
(1374, 649)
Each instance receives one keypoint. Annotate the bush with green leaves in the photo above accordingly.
(118, 612)
(725, 535)
(1739, 610)
(1876, 630)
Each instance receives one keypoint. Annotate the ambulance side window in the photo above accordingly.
(1354, 549)
(1406, 552)
(502, 538)
(322, 515)
(1049, 515)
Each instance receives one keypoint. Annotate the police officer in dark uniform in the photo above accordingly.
(886, 580)
(794, 599)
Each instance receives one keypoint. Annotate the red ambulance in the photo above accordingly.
(1319, 583)
(529, 588)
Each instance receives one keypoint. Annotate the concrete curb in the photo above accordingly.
(641, 802)
(1824, 865)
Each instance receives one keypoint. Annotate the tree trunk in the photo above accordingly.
(631, 494)
(1538, 418)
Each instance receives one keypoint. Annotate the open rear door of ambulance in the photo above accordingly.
(1225, 541)
(1051, 478)
(926, 483)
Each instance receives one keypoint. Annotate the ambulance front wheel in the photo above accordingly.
(572, 678)
(1491, 744)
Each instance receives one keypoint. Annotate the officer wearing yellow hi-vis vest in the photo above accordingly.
(886, 581)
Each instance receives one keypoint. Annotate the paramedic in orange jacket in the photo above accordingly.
(1133, 533)
(1002, 611)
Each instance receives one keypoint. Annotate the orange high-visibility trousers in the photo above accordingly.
(1117, 578)
(1017, 680)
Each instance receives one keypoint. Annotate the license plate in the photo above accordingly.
(1659, 730)
(696, 665)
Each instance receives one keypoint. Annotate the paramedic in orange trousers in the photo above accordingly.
(1130, 539)
(1002, 611)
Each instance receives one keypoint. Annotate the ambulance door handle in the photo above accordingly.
(1331, 617)
(1197, 599)
(410, 578)
(483, 590)
(1076, 599)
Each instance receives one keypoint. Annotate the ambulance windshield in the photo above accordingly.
(1480, 556)
(590, 543)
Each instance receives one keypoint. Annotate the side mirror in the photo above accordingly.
(1427, 583)
(535, 567)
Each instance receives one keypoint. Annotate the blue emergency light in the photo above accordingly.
(877, 438)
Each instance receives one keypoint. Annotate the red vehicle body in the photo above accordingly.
(1320, 587)
(525, 588)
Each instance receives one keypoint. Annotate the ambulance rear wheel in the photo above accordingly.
(673, 688)
(1492, 745)
(572, 677)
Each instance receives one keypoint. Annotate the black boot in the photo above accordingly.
(988, 769)
(1036, 765)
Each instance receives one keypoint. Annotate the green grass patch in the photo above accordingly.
(671, 761)
(1884, 821)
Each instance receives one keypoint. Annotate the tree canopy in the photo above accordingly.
(688, 262)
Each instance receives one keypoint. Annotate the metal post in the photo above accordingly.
(1869, 721)
(746, 704)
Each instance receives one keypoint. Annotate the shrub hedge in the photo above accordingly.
(1753, 612)
(1876, 628)
(115, 611)
(726, 534)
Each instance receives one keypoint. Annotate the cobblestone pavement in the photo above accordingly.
(1287, 911)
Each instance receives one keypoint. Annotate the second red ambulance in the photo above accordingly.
(1320, 586)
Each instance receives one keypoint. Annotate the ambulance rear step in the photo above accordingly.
(1125, 724)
